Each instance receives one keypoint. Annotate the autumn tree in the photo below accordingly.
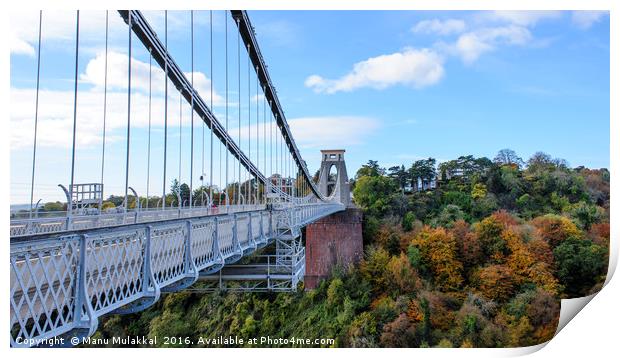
(524, 265)
(489, 232)
(438, 252)
(469, 250)
(402, 275)
(398, 333)
(374, 268)
(554, 229)
(496, 282)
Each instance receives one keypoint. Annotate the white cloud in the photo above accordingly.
(331, 131)
(523, 17)
(56, 116)
(471, 45)
(21, 47)
(440, 27)
(316, 132)
(58, 27)
(410, 67)
(118, 71)
(585, 19)
(258, 98)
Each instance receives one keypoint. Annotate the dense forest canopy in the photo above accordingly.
(480, 258)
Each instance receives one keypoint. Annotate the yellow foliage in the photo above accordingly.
(467, 344)
(525, 266)
(555, 229)
(438, 249)
(414, 311)
(496, 282)
(402, 274)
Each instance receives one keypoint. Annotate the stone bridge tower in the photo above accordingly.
(334, 158)
(335, 239)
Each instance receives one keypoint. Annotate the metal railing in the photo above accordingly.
(59, 224)
(63, 283)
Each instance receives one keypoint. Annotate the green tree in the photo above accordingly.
(371, 169)
(579, 265)
(374, 193)
(585, 214)
(408, 221)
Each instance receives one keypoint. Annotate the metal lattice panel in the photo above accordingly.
(243, 234)
(225, 236)
(203, 243)
(168, 253)
(43, 286)
(115, 272)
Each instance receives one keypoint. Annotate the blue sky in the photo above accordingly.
(384, 85)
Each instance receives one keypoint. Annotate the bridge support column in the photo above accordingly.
(333, 240)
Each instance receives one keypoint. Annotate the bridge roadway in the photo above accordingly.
(61, 283)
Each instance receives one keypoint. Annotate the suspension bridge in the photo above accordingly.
(70, 267)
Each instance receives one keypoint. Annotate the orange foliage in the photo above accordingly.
(438, 250)
(599, 233)
(555, 229)
(544, 313)
(541, 250)
(441, 316)
(467, 243)
(525, 266)
(382, 300)
(467, 344)
(402, 274)
(414, 311)
(496, 282)
(504, 217)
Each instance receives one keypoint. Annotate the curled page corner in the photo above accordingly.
(569, 308)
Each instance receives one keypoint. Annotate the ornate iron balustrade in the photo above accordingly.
(61, 284)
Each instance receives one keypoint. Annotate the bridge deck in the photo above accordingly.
(65, 281)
